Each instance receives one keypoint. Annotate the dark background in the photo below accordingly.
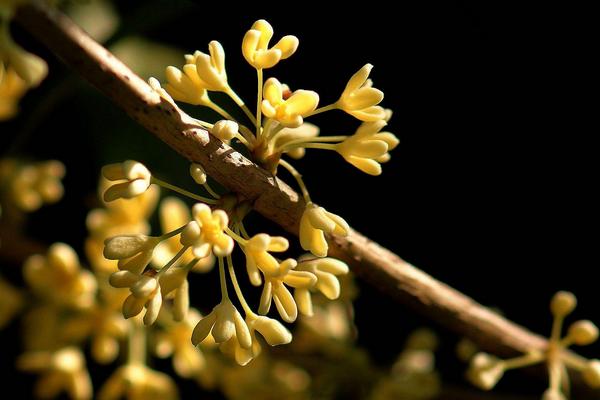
(491, 189)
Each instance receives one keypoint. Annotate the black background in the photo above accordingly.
(492, 189)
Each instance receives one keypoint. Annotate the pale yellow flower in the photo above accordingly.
(173, 214)
(368, 147)
(486, 370)
(256, 42)
(138, 382)
(103, 325)
(224, 321)
(59, 277)
(287, 135)
(121, 216)
(136, 179)
(31, 68)
(145, 293)
(174, 341)
(288, 112)
(62, 370)
(11, 301)
(186, 86)
(12, 89)
(360, 99)
(225, 130)
(270, 329)
(258, 257)
(326, 271)
(210, 69)
(315, 222)
(32, 185)
(205, 234)
(275, 290)
(134, 252)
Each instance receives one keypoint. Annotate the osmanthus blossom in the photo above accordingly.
(486, 370)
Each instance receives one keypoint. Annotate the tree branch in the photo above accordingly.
(270, 196)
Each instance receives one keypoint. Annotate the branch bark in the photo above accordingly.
(270, 196)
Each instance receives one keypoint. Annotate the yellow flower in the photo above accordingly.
(173, 214)
(121, 216)
(11, 301)
(275, 290)
(32, 185)
(104, 325)
(258, 258)
(62, 370)
(368, 146)
(138, 382)
(210, 69)
(135, 174)
(59, 277)
(255, 46)
(224, 321)
(186, 86)
(145, 293)
(287, 112)
(205, 233)
(12, 88)
(134, 252)
(326, 270)
(287, 135)
(174, 341)
(155, 85)
(31, 68)
(315, 222)
(486, 370)
(270, 329)
(360, 99)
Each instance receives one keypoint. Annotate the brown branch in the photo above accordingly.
(270, 196)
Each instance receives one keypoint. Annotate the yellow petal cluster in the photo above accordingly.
(135, 177)
(326, 270)
(174, 213)
(186, 86)
(209, 69)
(59, 278)
(275, 290)
(138, 382)
(486, 370)
(368, 147)
(360, 99)
(61, 371)
(288, 112)
(32, 185)
(258, 257)
(224, 323)
(255, 46)
(205, 234)
(314, 223)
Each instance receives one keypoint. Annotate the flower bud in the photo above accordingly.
(591, 373)
(198, 174)
(225, 129)
(485, 371)
(272, 330)
(583, 332)
(563, 303)
(125, 246)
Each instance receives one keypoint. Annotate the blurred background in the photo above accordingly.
(491, 188)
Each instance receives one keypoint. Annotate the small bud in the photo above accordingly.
(198, 174)
(225, 129)
(125, 246)
(123, 279)
(485, 371)
(144, 287)
(591, 373)
(563, 303)
(583, 332)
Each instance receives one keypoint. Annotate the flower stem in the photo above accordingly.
(323, 109)
(136, 354)
(236, 237)
(237, 289)
(298, 178)
(233, 95)
(222, 279)
(181, 191)
(171, 262)
(259, 73)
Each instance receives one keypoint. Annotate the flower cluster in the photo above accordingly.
(486, 370)
(154, 268)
